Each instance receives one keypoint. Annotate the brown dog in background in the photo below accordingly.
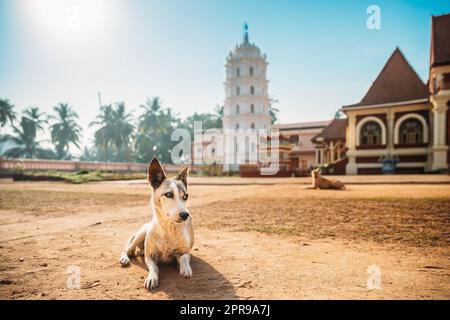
(321, 183)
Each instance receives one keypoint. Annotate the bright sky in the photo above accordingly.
(321, 54)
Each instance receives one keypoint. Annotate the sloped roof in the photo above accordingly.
(440, 40)
(334, 131)
(301, 125)
(396, 82)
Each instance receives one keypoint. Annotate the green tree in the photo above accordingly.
(25, 143)
(153, 136)
(37, 119)
(103, 136)
(65, 131)
(273, 111)
(6, 112)
(209, 120)
(112, 139)
(338, 114)
(87, 155)
(123, 131)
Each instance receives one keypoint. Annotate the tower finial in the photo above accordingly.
(245, 32)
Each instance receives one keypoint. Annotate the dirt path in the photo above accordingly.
(38, 246)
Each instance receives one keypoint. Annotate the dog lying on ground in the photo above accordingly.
(170, 233)
(321, 183)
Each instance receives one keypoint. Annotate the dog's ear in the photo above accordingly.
(182, 176)
(155, 174)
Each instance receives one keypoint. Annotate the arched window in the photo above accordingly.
(252, 108)
(251, 71)
(238, 72)
(237, 126)
(252, 90)
(370, 134)
(238, 90)
(253, 126)
(237, 109)
(411, 132)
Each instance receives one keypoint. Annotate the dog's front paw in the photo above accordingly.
(151, 282)
(186, 271)
(124, 260)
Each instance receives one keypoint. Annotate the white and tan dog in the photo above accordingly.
(170, 233)
(320, 182)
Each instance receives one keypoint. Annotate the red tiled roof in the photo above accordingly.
(396, 82)
(334, 131)
(440, 40)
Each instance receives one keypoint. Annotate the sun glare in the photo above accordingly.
(70, 20)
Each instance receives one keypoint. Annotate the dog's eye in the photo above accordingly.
(185, 197)
(169, 195)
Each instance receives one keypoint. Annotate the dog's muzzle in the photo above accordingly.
(184, 215)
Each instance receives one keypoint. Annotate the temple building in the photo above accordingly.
(402, 119)
(401, 124)
(303, 154)
(247, 102)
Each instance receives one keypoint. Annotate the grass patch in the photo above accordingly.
(59, 203)
(78, 177)
(412, 221)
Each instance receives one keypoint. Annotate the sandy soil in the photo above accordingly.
(308, 244)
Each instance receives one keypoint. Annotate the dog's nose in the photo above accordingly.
(184, 215)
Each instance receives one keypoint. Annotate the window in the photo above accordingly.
(238, 72)
(252, 108)
(411, 132)
(371, 134)
(238, 90)
(294, 139)
(237, 109)
(251, 71)
(252, 90)
(237, 126)
(253, 126)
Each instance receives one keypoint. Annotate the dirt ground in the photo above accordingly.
(253, 241)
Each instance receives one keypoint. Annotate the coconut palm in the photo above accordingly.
(37, 119)
(25, 143)
(154, 131)
(65, 131)
(103, 136)
(273, 112)
(218, 114)
(6, 112)
(122, 122)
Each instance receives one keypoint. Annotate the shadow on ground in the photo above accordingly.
(206, 282)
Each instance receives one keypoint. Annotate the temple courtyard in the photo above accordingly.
(266, 238)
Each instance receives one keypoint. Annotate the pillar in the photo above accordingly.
(351, 167)
(439, 148)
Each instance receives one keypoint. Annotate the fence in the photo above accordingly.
(67, 165)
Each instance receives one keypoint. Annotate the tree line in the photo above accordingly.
(119, 135)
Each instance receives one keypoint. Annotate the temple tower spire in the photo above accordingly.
(246, 33)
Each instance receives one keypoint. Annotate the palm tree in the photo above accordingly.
(6, 112)
(154, 131)
(152, 110)
(273, 112)
(37, 118)
(338, 114)
(103, 137)
(25, 143)
(87, 154)
(65, 131)
(123, 132)
(218, 113)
